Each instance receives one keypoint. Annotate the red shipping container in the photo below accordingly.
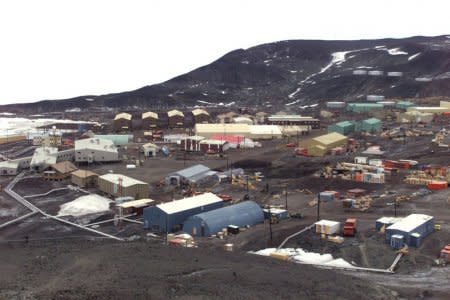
(437, 185)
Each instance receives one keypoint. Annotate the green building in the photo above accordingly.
(364, 107)
(404, 104)
(344, 127)
(371, 125)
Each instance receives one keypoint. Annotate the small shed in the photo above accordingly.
(149, 120)
(134, 206)
(200, 116)
(122, 122)
(84, 178)
(246, 213)
(149, 149)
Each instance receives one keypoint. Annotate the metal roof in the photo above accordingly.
(125, 116)
(44, 155)
(192, 171)
(189, 203)
(84, 173)
(330, 138)
(175, 113)
(149, 114)
(95, 144)
(199, 111)
(372, 121)
(64, 167)
(126, 181)
(410, 223)
(136, 203)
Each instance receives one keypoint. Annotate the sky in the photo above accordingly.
(54, 49)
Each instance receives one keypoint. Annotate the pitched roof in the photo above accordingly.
(330, 138)
(84, 173)
(199, 111)
(126, 181)
(189, 203)
(149, 114)
(174, 112)
(95, 144)
(64, 167)
(125, 116)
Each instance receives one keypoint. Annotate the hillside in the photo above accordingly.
(294, 73)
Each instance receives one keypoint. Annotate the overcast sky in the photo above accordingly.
(53, 49)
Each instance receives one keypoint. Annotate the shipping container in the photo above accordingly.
(327, 227)
(437, 185)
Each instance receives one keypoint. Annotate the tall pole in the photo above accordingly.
(270, 224)
(285, 197)
(395, 207)
(318, 206)
(247, 184)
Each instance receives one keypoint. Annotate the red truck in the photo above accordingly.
(349, 227)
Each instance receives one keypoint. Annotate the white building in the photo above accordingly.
(43, 157)
(95, 150)
(149, 149)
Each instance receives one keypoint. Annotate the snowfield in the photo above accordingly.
(413, 56)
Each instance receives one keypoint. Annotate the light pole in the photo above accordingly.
(285, 197)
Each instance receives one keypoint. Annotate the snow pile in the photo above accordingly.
(337, 59)
(413, 56)
(301, 256)
(393, 51)
(85, 205)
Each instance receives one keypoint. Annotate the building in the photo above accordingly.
(190, 176)
(175, 118)
(213, 146)
(235, 141)
(149, 120)
(226, 117)
(134, 207)
(323, 144)
(12, 138)
(191, 143)
(415, 117)
(60, 171)
(295, 130)
(150, 149)
(371, 125)
(43, 157)
(429, 109)
(208, 130)
(404, 105)
(117, 139)
(243, 120)
(294, 120)
(118, 185)
(364, 107)
(51, 140)
(410, 231)
(10, 168)
(84, 178)
(95, 150)
(261, 117)
(336, 104)
(122, 122)
(265, 132)
(243, 214)
(200, 116)
(170, 216)
(344, 127)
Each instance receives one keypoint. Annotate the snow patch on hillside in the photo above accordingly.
(413, 56)
(292, 95)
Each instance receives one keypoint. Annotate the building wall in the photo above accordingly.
(201, 118)
(12, 138)
(242, 214)
(120, 123)
(424, 230)
(149, 123)
(137, 191)
(8, 171)
(176, 121)
(156, 219)
(83, 182)
(89, 155)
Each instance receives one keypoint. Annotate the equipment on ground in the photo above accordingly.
(349, 227)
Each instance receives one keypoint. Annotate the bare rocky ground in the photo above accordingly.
(143, 270)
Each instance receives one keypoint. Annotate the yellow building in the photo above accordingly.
(321, 145)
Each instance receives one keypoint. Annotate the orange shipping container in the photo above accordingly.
(437, 185)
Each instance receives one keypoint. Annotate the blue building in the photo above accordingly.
(170, 216)
(409, 231)
(191, 175)
(208, 223)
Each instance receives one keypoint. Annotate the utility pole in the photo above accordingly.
(395, 207)
(285, 197)
(318, 206)
(270, 224)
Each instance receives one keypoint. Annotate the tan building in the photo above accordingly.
(122, 122)
(84, 178)
(12, 138)
(149, 120)
(118, 185)
(321, 145)
(60, 171)
(175, 118)
(52, 140)
(200, 116)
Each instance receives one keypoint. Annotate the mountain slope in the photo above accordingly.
(296, 72)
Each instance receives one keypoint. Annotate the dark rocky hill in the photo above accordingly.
(294, 73)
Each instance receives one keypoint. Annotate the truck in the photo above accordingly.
(349, 227)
